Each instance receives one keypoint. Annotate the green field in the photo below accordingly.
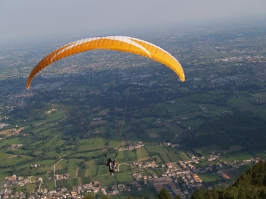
(207, 177)
(164, 157)
(142, 154)
(240, 156)
(207, 150)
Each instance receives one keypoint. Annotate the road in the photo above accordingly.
(54, 172)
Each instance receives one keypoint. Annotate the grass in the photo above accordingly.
(72, 166)
(148, 172)
(64, 183)
(207, 150)
(105, 180)
(130, 155)
(102, 170)
(208, 177)
(92, 143)
(173, 156)
(142, 154)
(124, 176)
(89, 165)
(156, 148)
(13, 160)
(152, 130)
(158, 159)
(164, 157)
(94, 170)
(236, 156)
(9, 141)
(49, 185)
(183, 155)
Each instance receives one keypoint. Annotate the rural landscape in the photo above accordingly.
(182, 136)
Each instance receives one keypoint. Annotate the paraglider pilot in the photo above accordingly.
(111, 163)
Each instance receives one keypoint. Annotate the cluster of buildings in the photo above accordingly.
(14, 180)
(139, 145)
(3, 125)
(213, 157)
(62, 176)
(92, 187)
(15, 146)
(116, 189)
(187, 178)
(151, 164)
(170, 185)
(172, 175)
(7, 193)
(169, 143)
(187, 165)
(159, 183)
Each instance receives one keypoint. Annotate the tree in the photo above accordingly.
(89, 196)
(178, 197)
(105, 197)
(164, 194)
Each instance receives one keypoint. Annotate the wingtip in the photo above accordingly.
(183, 78)
(27, 85)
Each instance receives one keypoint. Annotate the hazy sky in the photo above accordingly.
(39, 19)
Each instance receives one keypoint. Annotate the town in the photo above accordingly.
(187, 176)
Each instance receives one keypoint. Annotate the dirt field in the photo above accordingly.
(9, 132)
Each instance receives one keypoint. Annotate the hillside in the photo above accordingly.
(251, 184)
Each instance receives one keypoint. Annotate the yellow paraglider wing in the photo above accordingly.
(160, 55)
(119, 43)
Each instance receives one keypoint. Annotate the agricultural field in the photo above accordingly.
(208, 177)
(207, 150)
(240, 156)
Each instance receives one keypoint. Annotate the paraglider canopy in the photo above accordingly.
(119, 43)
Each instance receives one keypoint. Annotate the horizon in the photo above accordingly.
(36, 21)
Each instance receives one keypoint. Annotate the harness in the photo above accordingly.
(111, 163)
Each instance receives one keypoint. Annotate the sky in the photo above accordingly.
(46, 19)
